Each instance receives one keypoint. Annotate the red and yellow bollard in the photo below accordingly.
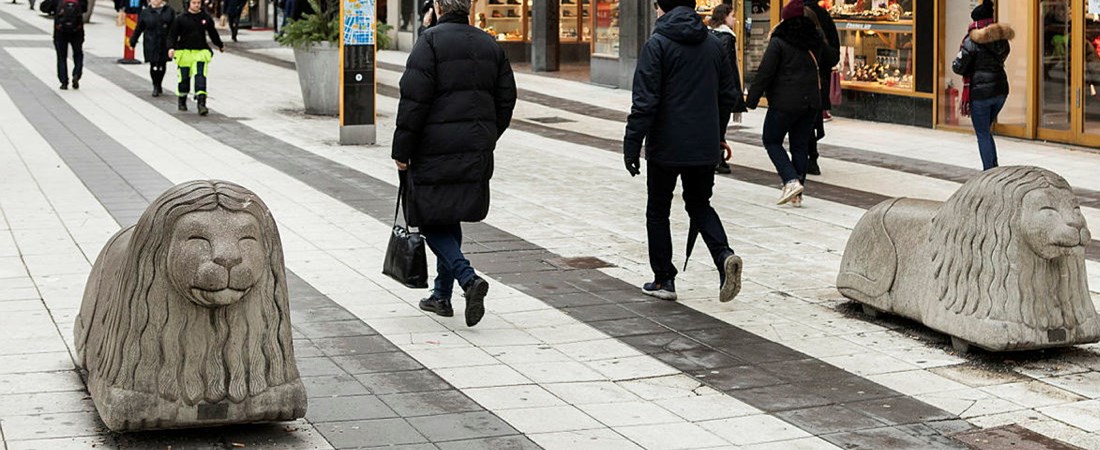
(127, 50)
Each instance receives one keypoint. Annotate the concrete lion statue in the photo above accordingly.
(1000, 264)
(185, 319)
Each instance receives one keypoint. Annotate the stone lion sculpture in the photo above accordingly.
(185, 319)
(1000, 264)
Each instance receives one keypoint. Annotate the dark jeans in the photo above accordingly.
(61, 43)
(800, 126)
(698, 187)
(983, 114)
(451, 265)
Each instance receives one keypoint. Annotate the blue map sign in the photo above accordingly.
(358, 22)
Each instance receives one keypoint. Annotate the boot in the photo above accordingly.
(201, 101)
(157, 91)
(182, 103)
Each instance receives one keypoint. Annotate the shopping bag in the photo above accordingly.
(405, 260)
(835, 93)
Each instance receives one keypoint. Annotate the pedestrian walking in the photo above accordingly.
(683, 86)
(153, 23)
(457, 97)
(187, 46)
(68, 32)
(827, 27)
(789, 76)
(721, 23)
(981, 62)
(233, 10)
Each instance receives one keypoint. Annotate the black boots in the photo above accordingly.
(201, 101)
(157, 90)
(182, 103)
(76, 83)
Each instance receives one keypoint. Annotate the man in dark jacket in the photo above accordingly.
(68, 31)
(790, 77)
(457, 97)
(981, 62)
(827, 27)
(683, 84)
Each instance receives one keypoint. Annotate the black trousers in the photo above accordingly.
(156, 71)
(61, 43)
(698, 183)
(184, 86)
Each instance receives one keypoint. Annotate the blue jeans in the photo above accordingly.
(451, 265)
(983, 114)
(800, 126)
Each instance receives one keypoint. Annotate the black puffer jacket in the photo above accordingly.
(832, 38)
(682, 84)
(788, 75)
(457, 97)
(982, 58)
(153, 23)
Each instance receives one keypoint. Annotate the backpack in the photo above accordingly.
(70, 17)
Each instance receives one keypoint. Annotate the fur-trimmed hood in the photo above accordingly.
(992, 33)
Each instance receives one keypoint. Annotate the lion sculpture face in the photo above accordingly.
(215, 257)
(1052, 224)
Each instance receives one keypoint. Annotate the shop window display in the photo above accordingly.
(606, 26)
(502, 19)
(876, 38)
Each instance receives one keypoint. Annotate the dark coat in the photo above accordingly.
(982, 58)
(729, 44)
(457, 97)
(683, 85)
(50, 7)
(832, 37)
(189, 32)
(154, 23)
(788, 75)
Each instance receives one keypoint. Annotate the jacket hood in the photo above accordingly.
(682, 25)
(800, 32)
(992, 33)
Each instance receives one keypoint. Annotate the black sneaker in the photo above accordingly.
(475, 300)
(664, 290)
(722, 168)
(64, 86)
(437, 305)
(76, 83)
(731, 278)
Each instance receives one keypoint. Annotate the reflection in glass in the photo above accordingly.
(607, 28)
(1054, 86)
(1092, 73)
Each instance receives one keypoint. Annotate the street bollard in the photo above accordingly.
(127, 50)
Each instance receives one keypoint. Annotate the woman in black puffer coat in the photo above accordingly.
(721, 22)
(457, 97)
(789, 77)
(153, 22)
(981, 62)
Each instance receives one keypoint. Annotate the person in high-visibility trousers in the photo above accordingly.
(187, 46)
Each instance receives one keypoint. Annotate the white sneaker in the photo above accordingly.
(797, 201)
(790, 190)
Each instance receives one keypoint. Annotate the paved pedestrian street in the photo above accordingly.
(570, 354)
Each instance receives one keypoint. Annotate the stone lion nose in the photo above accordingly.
(227, 255)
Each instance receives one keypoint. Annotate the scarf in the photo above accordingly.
(964, 104)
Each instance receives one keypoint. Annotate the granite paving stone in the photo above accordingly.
(453, 427)
(348, 408)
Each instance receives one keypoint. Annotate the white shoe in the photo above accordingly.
(797, 201)
(790, 191)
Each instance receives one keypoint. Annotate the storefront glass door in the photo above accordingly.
(1069, 73)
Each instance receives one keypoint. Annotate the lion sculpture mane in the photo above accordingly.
(1000, 264)
(185, 318)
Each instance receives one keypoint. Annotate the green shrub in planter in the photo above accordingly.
(323, 25)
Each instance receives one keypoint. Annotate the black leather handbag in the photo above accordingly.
(405, 259)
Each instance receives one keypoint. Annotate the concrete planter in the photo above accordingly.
(319, 75)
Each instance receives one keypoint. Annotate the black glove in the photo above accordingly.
(633, 165)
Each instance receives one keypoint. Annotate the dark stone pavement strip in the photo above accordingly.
(21, 26)
(348, 411)
(611, 297)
